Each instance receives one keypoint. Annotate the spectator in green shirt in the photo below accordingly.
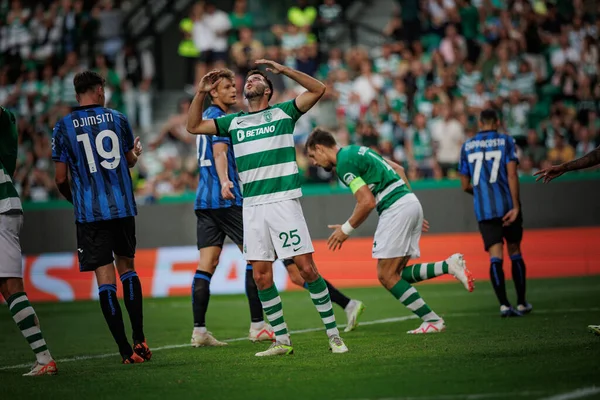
(469, 24)
(114, 94)
(240, 18)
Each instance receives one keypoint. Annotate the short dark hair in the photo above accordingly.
(322, 137)
(487, 116)
(259, 72)
(87, 80)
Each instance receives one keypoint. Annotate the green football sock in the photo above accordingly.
(411, 299)
(271, 303)
(421, 272)
(320, 297)
(25, 318)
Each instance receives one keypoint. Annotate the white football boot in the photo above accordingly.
(429, 327)
(264, 334)
(457, 267)
(205, 339)
(353, 310)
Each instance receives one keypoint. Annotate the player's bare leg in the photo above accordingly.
(321, 299)
(133, 299)
(23, 314)
(498, 282)
(389, 272)
(519, 275)
(273, 308)
(107, 291)
(209, 259)
(352, 308)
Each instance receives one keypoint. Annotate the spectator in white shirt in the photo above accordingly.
(453, 47)
(368, 84)
(448, 135)
(136, 70)
(478, 100)
(564, 54)
(210, 37)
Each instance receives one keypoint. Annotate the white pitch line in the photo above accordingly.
(575, 394)
(364, 323)
(177, 346)
(474, 396)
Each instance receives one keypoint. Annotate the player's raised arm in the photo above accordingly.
(221, 164)
(314, 88)
(195, 124)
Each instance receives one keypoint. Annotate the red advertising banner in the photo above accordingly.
(169, 271)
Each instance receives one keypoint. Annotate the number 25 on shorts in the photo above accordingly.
(290, 236)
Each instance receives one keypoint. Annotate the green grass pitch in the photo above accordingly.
(480, 356)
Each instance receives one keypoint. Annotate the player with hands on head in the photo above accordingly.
(274, 223)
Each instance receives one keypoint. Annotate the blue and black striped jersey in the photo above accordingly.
(208, 194)
(93, 141)
(484, 158)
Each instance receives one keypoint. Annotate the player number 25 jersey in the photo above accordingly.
(263, 143)
(93, 141)
(484, 158)
(359, 165)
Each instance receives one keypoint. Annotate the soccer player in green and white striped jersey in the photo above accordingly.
(274, 224)
(11, 273)
(378, 183)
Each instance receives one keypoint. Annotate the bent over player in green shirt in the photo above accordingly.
(381, 184)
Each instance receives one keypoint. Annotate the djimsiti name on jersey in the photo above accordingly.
(485, 143)
(93, 120)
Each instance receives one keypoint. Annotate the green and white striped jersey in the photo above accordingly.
(263, 144)
(9, 139)
(357, 166)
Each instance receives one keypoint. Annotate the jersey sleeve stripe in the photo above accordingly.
(356, 184)
(296, 107)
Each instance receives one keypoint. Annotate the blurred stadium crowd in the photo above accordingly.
(414, 99)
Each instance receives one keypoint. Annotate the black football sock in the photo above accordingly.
(336, 296)
(112, 314)
(497, 278)
(256, 310)
(519, 277)
(132, 296)
(200, 297)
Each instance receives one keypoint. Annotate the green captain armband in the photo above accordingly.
(356, 184)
